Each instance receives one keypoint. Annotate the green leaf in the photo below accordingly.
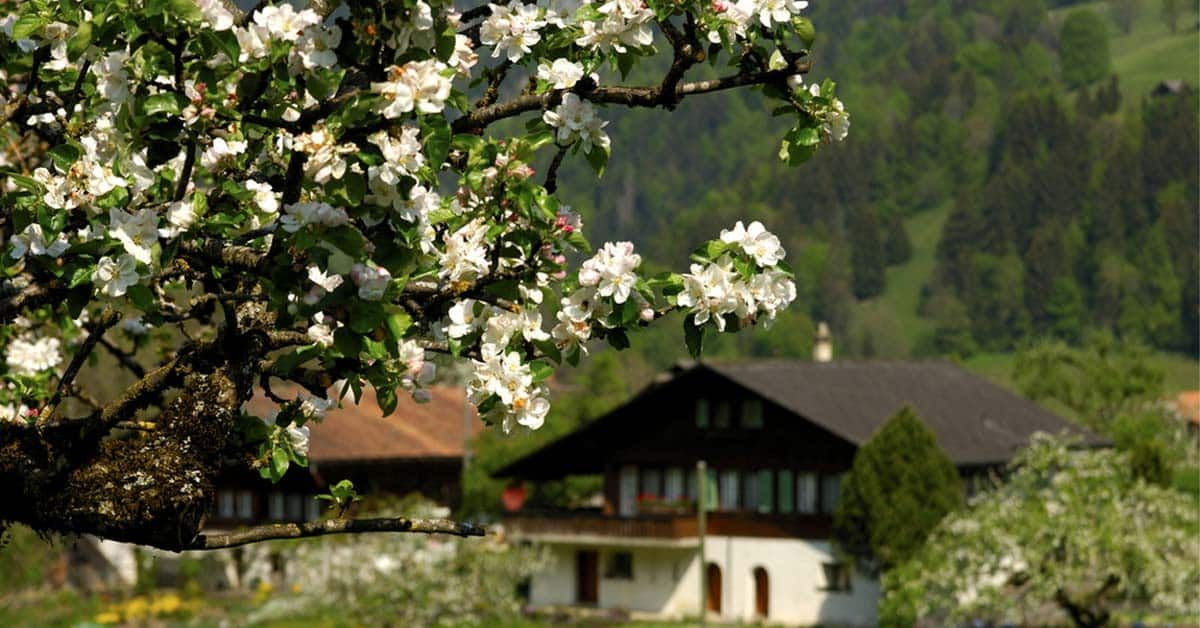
(288, 362)
(26, 183)
(27, 25)
(279, 464)
(693, 335)
(438, 136)
(398, 323)
(185, 10)
(225, 41)
(64, 155)
(806, 136)
(387, 399)
(141, 297)
(549, 349)
(366, 316)
(541, 370)
(804, 30)
(597, 158)
(576, 239)
(80, 276)
(618, 339)
(79, 41)
(166, 102)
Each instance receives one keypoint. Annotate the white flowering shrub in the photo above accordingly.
(317, 195)
(1073, 536)
(412, 580)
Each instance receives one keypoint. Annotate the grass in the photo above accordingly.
(1149, 53)
(904, 281)
(1180, 372)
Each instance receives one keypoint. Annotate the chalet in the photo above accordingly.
(776, 437)
(419, 448)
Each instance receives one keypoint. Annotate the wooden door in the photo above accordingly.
(713, 576)
(587, 577)
(762, 592)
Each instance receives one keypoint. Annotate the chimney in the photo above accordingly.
(823, 349)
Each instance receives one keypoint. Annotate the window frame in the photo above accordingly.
(618, 565)
(838, 577)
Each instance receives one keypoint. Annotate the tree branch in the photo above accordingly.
(332, 526)
(107, 319)
(628, 96)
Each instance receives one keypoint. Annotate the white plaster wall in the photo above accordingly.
(666, 581)
(796, 579)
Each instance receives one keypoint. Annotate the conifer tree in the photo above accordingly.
(867, 255)
(900, 487)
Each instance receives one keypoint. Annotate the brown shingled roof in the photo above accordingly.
(360, 432)
(1187, 404)
(976, 421)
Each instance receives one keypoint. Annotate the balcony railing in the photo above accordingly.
(665, 526)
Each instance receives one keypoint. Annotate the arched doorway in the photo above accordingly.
(762, 592)
(713, 577)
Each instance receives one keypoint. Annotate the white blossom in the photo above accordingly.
(511, 29)
(181, 215)
(138, 233)
(214, 11)
(417, 85)
(320, 332)
(465, 255)
(372, 281)
(562, 74)
(113, 278)
(32, 241)
(298, 215)
(756, 241)
(610, 270)
(29, 356)
(284, 22)
(576, 119)
(221, 151)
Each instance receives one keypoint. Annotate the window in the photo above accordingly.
(673, 488)
(620, 566)
(831, 486)
(312, 510)
(752, 413)
(729, 490)
(702, 413)
(651, 483)
(785, 482)
(275, 507)
(806, 493)
(750, 491)
(245, 505)
(766, 494)
(225, 504)
(295, 507)
(837, 576)
(722, 415)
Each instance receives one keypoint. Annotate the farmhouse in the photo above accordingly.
(776, 438)
(417, 449)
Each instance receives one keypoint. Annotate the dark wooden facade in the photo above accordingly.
(776, 438)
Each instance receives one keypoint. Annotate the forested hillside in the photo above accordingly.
(1067, 203)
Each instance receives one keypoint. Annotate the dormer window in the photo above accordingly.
(722, 415)
(752, 414)
(702, 413)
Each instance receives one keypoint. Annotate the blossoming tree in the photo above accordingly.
(1071, 537)
(321, 196)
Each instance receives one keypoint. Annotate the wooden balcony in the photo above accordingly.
(565, 526)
